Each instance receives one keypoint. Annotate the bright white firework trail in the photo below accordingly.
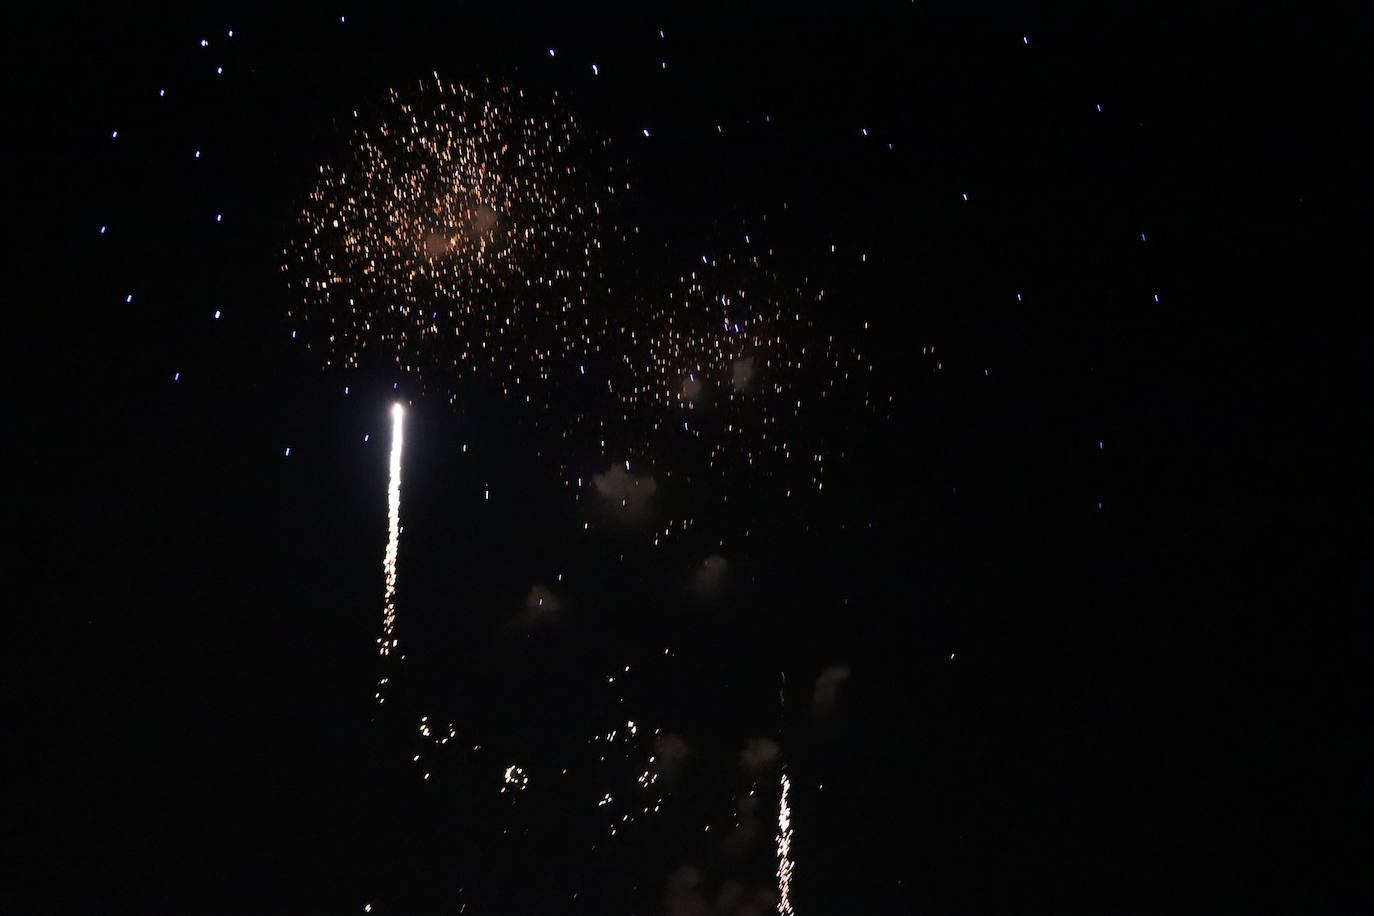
(387, 641)
(784, 852)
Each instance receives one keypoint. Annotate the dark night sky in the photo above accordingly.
(1093, 573)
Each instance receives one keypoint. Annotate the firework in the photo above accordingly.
(515, 779)
(387, 641)
(455, 235)
(464, 237)
(784, 852)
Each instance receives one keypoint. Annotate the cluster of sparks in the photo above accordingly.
(515, 779)
(785, 851)
(455, 237)
(458, 238)
(621, 750)
(387, 641)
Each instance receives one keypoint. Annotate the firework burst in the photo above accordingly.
(456, 233)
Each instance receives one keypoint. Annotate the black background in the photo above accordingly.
(1157, 705)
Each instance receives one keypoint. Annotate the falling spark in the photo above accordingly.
(784, 852)
(387, 642)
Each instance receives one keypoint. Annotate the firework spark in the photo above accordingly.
(387, 641)
(456, 236)
(466, 236)
(784, 852)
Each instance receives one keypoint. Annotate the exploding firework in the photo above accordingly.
(515, 779)
(457, 233)
(732, 359)
(459, 240)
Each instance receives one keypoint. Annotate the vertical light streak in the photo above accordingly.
(387, 641)
(784, 852)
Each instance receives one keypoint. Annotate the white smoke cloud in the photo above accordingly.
(683, 896)
(742, 373)
(828, 688)
(758, 753)
(710, 574)
(541, 599)
(692, 389)
(686, 894)
(670, 748)
(623, 491)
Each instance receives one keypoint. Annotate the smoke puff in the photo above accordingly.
(758, 753)
(742, 373)
(685, 895)
(541, 599)
(670, 748)
(670, 752)
(744, 837)
(731, 896)
(712, 571)
(627, 491)
(691, 389)
(828, 687)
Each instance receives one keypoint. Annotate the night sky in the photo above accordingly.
(949, 408)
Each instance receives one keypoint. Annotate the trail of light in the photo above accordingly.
(387, 641)
(784, 852)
